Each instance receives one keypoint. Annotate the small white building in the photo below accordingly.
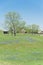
(23, 31)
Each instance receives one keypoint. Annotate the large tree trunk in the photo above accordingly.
(14, 32)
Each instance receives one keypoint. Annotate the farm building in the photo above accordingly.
(23, 31)
(5, 32)
(41, 32)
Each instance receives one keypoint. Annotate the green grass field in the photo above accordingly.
(23, 49)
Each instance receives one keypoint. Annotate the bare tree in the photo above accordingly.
(12, 21)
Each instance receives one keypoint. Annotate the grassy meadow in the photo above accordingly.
(23, 49)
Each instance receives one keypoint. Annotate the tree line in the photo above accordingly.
(15, 24)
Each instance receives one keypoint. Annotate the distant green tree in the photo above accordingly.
(32, 28)
(21, 26)
(35, 28)
(28, 28)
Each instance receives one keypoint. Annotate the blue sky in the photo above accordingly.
(30, 10)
